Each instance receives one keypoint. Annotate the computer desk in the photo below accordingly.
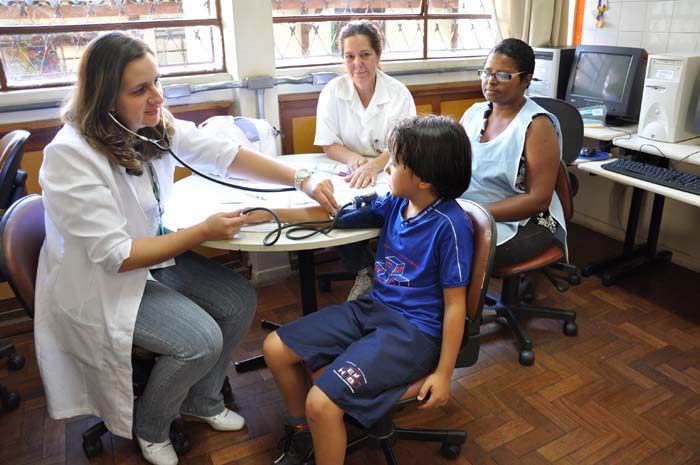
(634, 258)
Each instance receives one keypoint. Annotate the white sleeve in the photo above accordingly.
(78, 200)
(327, 125)
(204, 150)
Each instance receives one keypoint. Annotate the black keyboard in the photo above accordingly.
(662, 176)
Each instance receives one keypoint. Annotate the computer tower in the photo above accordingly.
(552, 67)
(670, 98)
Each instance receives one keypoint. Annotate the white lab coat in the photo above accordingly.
(341, 118)
(85, 310)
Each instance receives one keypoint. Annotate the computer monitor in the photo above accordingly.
(610, 76)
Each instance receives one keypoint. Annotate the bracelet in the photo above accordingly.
(301, 175)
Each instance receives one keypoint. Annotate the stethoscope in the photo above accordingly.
(306, 228)
(159, 144)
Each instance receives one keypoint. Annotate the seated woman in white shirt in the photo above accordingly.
(356, 111)
(355, 114)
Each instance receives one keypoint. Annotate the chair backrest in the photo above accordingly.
(11, 176)
(482, 264)
(562, 188)
(571, 125)
(22, 234)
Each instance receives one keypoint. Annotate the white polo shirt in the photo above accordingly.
(341, 118)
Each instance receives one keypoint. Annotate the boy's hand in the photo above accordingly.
(439, 388)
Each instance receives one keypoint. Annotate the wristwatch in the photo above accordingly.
(301, 175)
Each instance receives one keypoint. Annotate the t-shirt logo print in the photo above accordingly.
(391, 272)
(351, 375)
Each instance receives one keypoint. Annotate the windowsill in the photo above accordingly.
(433, 64)
(53, 95)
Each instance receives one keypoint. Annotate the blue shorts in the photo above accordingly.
(374, 355)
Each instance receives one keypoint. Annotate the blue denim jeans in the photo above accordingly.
(194, 316)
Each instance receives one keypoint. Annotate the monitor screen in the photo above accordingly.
(608, 75)
(601, 75)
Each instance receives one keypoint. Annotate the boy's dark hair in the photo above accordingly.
(518, 51)
(437, 150)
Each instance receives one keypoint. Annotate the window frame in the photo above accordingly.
(423, 15)
(216, 22)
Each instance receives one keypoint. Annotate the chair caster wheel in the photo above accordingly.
(15, 362)
(181, 443)
(570, 328)
(527, 357)
(574, 279)
(324, 285)
(10, 401)
(91, 448)
(450, 451)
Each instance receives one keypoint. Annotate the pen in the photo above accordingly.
(339, 173)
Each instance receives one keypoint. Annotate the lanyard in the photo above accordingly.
(156, 193)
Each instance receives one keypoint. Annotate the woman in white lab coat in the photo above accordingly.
(108, 277)
(354, 116)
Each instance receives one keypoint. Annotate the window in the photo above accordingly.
(306, 30)
(41, 40)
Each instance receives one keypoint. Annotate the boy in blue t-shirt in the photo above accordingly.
(413, 319)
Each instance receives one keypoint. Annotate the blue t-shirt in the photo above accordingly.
(417, 257)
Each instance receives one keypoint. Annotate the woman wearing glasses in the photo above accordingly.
(516, 148)
(354, 116)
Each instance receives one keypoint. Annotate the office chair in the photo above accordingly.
(22, 233)
(12, 181)
(384, 432)
(571, 126)
(511, 305)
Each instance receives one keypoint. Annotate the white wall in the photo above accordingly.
(657, 26)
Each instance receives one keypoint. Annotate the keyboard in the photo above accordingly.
(662, 176)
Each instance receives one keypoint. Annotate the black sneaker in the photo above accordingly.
(297, 447)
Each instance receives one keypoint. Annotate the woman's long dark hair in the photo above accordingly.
(99, 79)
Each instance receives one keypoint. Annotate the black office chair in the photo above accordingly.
(12, 187)
(22, 233)
(571, 126)
(511, 304)
(384, 432)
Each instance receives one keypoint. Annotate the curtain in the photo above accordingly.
(540, 23)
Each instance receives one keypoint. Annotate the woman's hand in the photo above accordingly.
(222, 226)
(321, 190)
(365, 174)
(355, 161)
(257, 217)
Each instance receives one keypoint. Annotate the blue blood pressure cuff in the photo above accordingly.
(359, 214)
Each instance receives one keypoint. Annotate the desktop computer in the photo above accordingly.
(552, 67)
(670, 97)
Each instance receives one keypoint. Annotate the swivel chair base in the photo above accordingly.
(9, 400)
(510, 308)
(384, 433)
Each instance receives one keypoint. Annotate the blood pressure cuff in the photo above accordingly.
(360, 214)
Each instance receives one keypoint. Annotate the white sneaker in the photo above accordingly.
(363, 284)
(228, 420)
(158, 453)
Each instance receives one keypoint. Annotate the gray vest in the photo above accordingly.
(495, 163)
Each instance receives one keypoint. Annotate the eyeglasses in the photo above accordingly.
(501, 76)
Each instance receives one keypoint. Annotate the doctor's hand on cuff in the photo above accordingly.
(321, 190)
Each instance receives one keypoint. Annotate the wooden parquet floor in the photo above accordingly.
(625, 391)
